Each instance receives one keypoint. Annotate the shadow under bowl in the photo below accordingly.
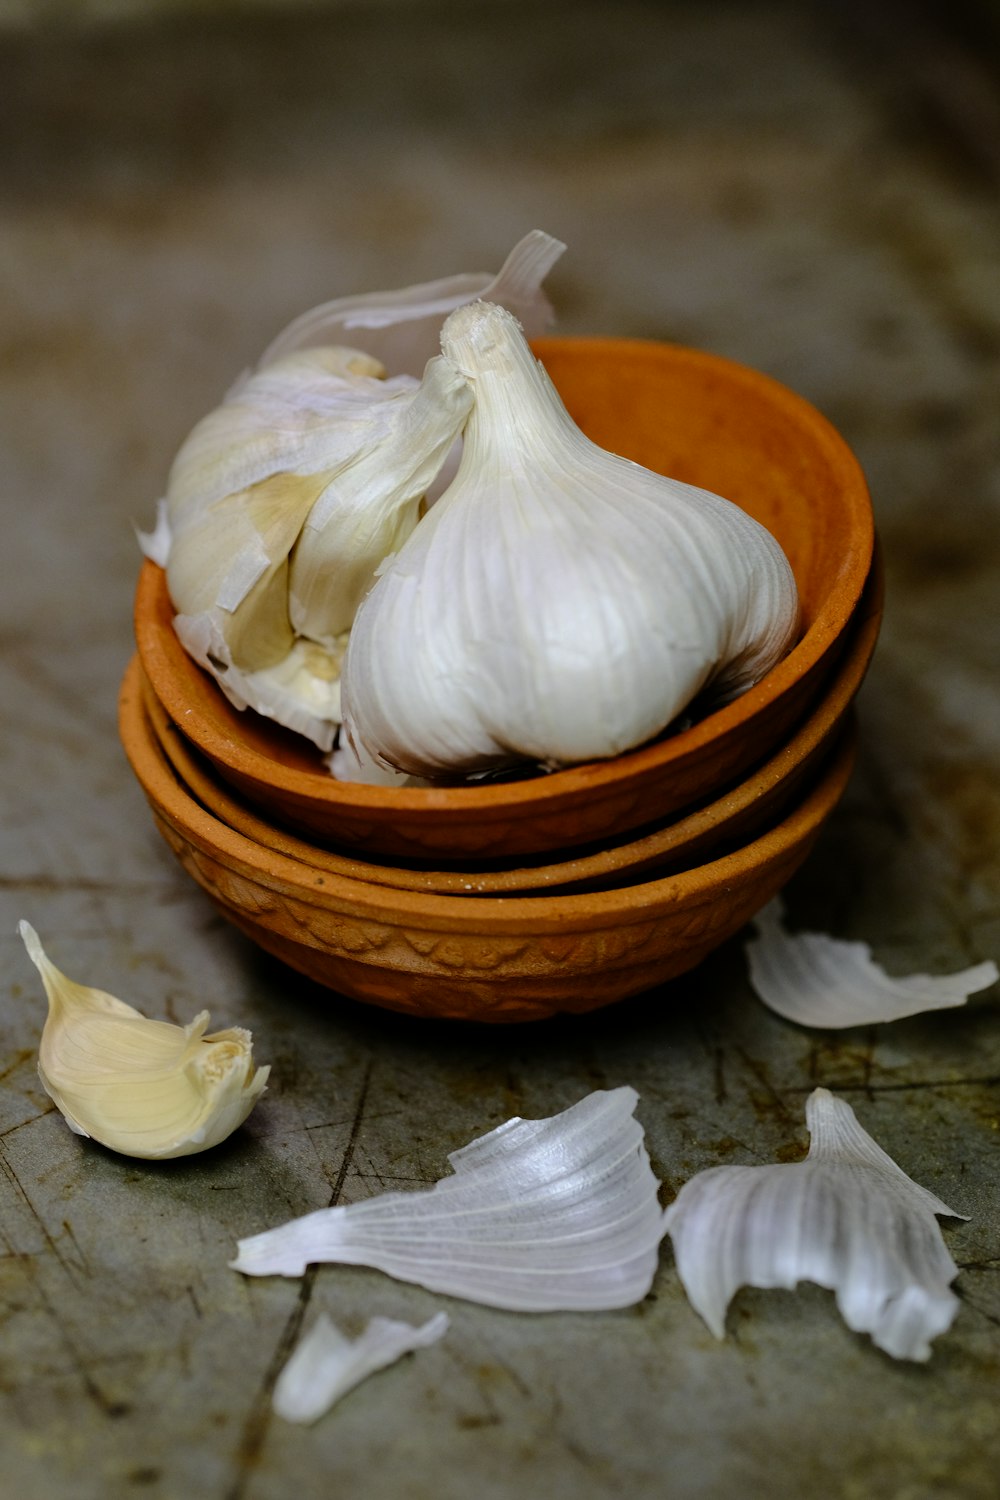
(695, 416)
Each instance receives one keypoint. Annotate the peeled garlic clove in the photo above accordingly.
(817, 980)
(558, 603)
(540, 1215)
(402, 327)
(847, 1218)
(325, 1365)
(140, 1087)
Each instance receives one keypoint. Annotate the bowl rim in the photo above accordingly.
(662, 843)
(504, 799)
(521, 915)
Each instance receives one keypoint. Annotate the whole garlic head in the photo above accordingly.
(558, 603)
(140, 1087)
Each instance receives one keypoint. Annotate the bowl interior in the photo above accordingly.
(700, 418)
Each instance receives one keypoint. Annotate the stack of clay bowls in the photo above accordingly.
(519, 898)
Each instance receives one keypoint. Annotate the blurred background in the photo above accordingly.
(811, 188)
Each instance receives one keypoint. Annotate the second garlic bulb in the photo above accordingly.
(558, 603)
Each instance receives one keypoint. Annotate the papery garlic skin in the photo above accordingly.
(558, 603)
(281, 505)
(401, 328)
(540, 1215)
(325, 1365)
(140, 1087)
(847, 1218)
(815, 980)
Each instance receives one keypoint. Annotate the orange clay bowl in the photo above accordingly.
(722, 823)
(681, 412)
(497, 958)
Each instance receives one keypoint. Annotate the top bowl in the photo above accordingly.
(725, 822)
(694, 416)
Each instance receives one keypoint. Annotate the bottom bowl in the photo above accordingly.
(512, 958)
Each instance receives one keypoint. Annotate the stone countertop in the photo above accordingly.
(738, 177)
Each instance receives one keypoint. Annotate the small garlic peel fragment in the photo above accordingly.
(847, 1218)
(155, 544)
(816, 980)
(325, 1365)
(140, 1087)
(401, 327)
(539, 1215)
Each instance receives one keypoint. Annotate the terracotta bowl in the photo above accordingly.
(695, 416)
(725, 822)
(496, 958)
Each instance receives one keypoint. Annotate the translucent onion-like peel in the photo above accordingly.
(325, 1365)
(847, 1218)
(400, 328)
(540, 1215)
(822, 981)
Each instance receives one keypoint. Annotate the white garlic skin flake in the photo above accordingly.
(558, 603)
(401, 328)
(537, 1216)
(816, 980)
(325, 1365)
(847, 1218)
(140, 1087)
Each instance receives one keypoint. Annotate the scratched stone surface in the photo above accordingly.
(818, 201)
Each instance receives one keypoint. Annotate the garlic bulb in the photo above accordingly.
(140, 1087)
(282, 503)
(284, 500)
(558, 603)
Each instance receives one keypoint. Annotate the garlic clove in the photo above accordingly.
(539, 1215)
(140, 1087)
(847, 1218)
(371, 507)
(308, 413)
(402, 327)
(301, 691)
(815, 980)
(325, 1365)
(282, 504)
(558, 603)
(229, 562)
